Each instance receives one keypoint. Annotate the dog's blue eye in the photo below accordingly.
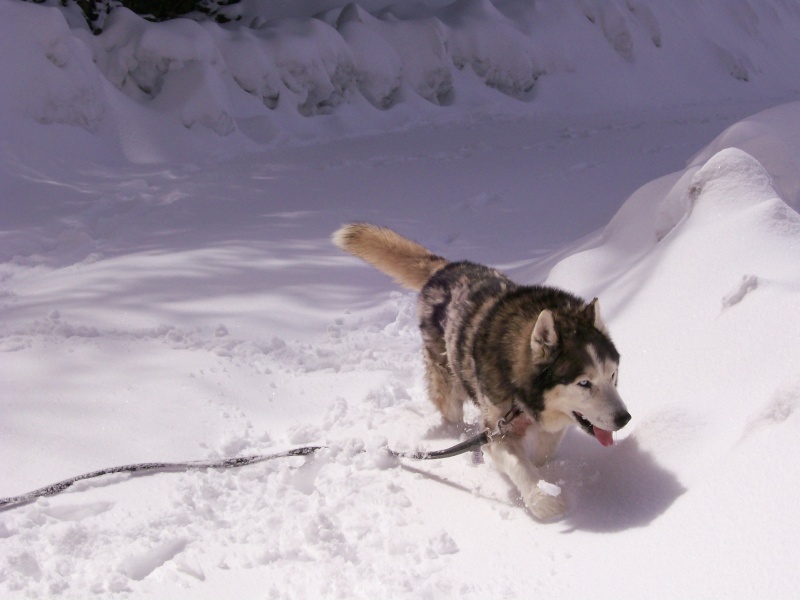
(585, 384)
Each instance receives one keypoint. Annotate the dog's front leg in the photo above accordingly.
(509, 456)
(545, 444)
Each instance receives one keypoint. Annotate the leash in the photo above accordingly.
(164, 467)
(483, 438)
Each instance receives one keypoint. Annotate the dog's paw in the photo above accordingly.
(544, 506)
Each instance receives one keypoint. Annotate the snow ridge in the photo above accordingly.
(259, 77)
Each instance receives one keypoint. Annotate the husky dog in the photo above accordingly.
(538, 349)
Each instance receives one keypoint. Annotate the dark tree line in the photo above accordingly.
(96, 11)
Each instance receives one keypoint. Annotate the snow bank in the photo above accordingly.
(205, 76)
(698, 275)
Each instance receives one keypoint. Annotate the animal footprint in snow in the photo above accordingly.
(782, 405)
(77, 512)
(746, 285)
(441, 543)
(140, 564)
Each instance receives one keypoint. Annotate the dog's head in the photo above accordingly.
(578, 370)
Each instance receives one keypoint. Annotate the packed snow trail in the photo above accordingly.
(235, 368)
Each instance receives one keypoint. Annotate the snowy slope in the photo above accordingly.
(168, 292)
(703, 281)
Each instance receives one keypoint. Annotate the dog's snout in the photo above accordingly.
(622, 419)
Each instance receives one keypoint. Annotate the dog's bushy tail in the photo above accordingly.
(410, 264)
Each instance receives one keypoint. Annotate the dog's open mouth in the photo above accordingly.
(601, 435)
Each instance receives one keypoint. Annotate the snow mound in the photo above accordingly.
(421, 46)
(698, 275)
(314, 62)
(773, 138)
(57, 81)
(379, 69)
(731, 195)
(697, 262)
(497, 51)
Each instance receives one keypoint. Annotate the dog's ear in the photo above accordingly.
(544, 337)
(592, 312)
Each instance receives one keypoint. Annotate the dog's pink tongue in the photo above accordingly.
(603, 436)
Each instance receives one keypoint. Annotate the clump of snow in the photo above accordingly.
(551, 489)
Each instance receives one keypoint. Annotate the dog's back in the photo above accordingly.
(409, 263)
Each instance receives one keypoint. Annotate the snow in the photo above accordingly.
(168, 292)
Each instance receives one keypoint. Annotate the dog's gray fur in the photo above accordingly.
(500, 344)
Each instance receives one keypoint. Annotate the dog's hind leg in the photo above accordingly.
(443, 390)
(509, 456)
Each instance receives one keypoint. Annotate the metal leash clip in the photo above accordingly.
(503, 425)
